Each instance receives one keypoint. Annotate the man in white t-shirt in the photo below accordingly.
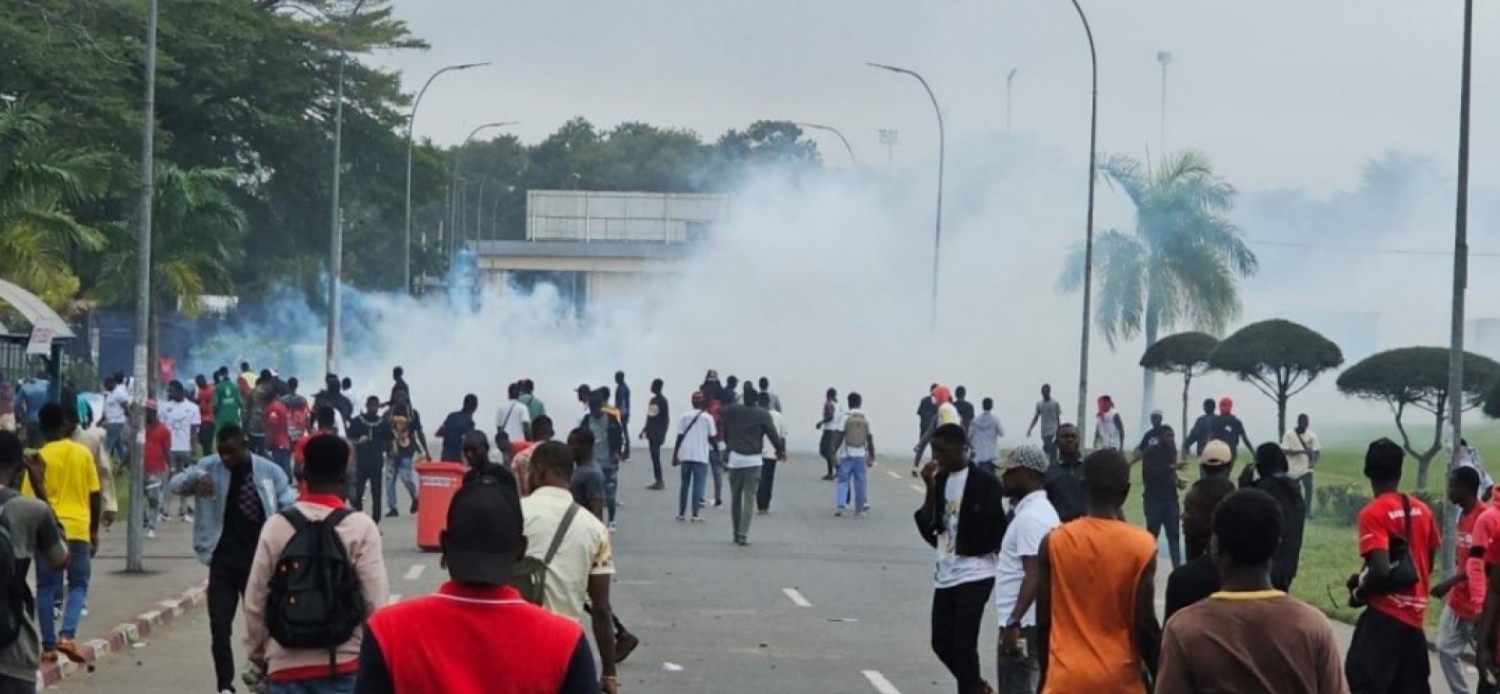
(768, 455)
(696, 434)
(963, 518)
(182, 418)
(1302, 453)
(1024, 476)
(514, 417)
(984, 437)
(116, 414)
(854, 446)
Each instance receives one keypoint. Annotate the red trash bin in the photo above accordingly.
(436, 485)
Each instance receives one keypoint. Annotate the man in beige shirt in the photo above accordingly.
(1302, 453)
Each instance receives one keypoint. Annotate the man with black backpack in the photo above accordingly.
(27, 529)
(237, 492)
(318, 574)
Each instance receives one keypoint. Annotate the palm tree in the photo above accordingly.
(39, 180)
(196, 241)
(1182, 264)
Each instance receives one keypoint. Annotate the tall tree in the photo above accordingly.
(1182, 264)
(40, 181)
(1184, 354)
(1280, 358)
(1417, 377)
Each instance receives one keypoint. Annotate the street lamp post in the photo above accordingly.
(134, 528)
(1088, 238)
(1009, 81)
(336, 216)
(1165, 58)
(829, 128)
(937, 236)
(411, 123)
(453, 213)
(1460, 266)
(889, 137)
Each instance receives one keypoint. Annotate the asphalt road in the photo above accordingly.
(815, 605)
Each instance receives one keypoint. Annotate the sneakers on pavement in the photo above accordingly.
(656, 486)
(413, 507)
(391, 513)
(697, 519)
(838, 512)
(151, 533)
(681, 519)
(613, 527)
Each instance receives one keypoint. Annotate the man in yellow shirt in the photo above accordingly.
(73, 491)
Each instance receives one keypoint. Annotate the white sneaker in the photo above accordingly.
(613, 527)
(151, 534)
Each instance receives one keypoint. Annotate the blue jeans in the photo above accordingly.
(341, 684)
(693, 477)
(611, 489)
(114, 441)
(49, 585)
(851, 469)
(400, 467)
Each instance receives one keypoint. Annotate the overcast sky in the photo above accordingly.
(1280, 93)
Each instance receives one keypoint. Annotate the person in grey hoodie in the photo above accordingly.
(236, 492)
(746, 429)
(984, 437)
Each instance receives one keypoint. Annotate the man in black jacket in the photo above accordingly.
(1271, 464)
(963, 517)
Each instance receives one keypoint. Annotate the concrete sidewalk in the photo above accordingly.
(123, 608)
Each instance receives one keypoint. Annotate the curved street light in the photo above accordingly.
(411, 122)
(453, 195)
(1088, 238)
(937, 236)
(835, 131)
(336, 216)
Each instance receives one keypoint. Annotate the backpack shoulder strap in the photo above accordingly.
(338, 516)
(562, 530)
(294, 516)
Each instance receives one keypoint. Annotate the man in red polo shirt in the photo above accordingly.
(1388, 652)
(477, 635)
(158, 451)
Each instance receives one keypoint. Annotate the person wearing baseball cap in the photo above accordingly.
(1024, 475)
(1217, 460)
(477, 634)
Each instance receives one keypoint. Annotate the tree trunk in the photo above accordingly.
(1283, 384)
(1148, 377)
(1187, 385)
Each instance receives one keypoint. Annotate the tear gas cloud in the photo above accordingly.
(823, 281)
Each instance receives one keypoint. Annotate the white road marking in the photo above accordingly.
(415, 572)
(671, 667)
(393, 599)
(880, 683)
(917, 488)
(894, 475)
(796, 597)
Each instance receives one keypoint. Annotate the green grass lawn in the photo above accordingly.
(1330, 545)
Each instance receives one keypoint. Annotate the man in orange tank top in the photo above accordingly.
(1096, 611)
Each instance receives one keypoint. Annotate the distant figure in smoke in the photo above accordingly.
(927, 409)
(1202, 431)
(333, 396)
(407, 443)
(228, 402)
(204, 396)
(513, 418)
(1229, 429)
(622, 408)
(456, 426)
(730, 395)
(765, 387)
(584, 392)
(714, 392)
(658, 419)
(534, 406)
(964, 407)
(830, 434)
(371, 441)
(748, 430)
(768, 456)
(1109, 427)
(1049, 415)
(947, 413)
(609, 439)
(298, 411)
(398, 377)
(346, 387)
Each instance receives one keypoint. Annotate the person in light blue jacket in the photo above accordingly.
(236, 492)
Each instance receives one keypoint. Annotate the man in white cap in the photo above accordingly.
(1024, 476)
(1216, 460)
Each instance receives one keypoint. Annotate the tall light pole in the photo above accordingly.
(829, 128)
(1009, 81)
(1460, 266)
(889, 137)
(937, 235)
(1165, 58)
(411, 123)
(336, 216)
(453, 218)
(1088, 234)
(134, 528)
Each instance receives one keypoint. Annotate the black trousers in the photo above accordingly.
(1386, 656)
(373, 475)
(226, 585)
(825, 448)
(1165, 515)
(767, 480)
(654, 445)
(957, 614)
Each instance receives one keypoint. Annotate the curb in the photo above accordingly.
(123, 636)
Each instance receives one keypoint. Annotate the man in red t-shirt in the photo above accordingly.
(278, 434)
(205, 398)
(158, 452)
(1388, 652)
(1465, 588)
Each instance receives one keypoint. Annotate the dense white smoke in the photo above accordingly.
(824, 281)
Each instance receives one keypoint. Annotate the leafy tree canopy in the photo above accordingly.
(1178, 353)
(1418, 377)
(1261, 351)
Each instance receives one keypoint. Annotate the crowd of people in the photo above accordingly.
(274, 484)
